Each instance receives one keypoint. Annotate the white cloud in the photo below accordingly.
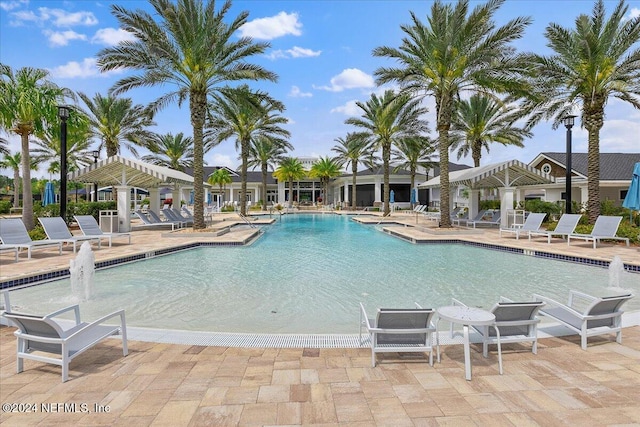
(58, 17)
(297, 93)
(220, 160)
(277, 54)
(272, 27)
(619, 136)
(61, 38)
(634, 13)
(112, 36)
(351, 78)
(10, 5)
(19, 18)
(300, 52)
(349, 109)
(84, 69)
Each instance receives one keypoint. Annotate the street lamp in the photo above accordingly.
(96, 154)
(63, 114)
(568, 122)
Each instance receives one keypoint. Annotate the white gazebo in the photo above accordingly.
(506, 176)
(125, 173)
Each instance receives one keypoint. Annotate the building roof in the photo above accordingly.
(613, 166)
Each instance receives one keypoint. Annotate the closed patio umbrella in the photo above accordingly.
(392, 197)
(49, 194)
(632, 200)
(413, 197)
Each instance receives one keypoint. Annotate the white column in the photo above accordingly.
(377, 191)
(281, 192)
(346, 194)
(231, 197)
(124, 208)
(506, 204)
(473, 203)
(154, 199)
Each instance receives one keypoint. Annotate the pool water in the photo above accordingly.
(307, 273)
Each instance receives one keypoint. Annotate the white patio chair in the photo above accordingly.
(399, 330)
(599, 315)
(532, 223)
(13, 234)
(43, 334)
(605, 228)
(56, 229)
(90, 228)
(566, 225)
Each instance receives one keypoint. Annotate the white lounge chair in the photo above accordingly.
(605, 228)
(493, 219)
(13, 234)
(517, 322)
(90, 228)
(43, 334)
(466, 220)
(399, 330)
(7, 249)
(56, 229)
(147, 222)
(566, 225)
(587, 315)
(155, 219)
(532, 223)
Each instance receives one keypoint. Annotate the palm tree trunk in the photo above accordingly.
(197, 106)
(244, 153)
(290, 193)
(354, 170)
(386, 157)
(593, 121)
(264, 185)
(27, 195)
(16, 188)
(444, 112)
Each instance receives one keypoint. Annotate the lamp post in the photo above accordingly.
(96, 154)
(63, 114)
(568, 121)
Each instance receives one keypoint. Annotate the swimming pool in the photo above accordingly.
(307, 275)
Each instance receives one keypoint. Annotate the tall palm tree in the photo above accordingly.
(481, 120)
(220, 177)
(289, 170)
(411, 153)
(353, 150)
(247, 115)
(386, 120)
(13, 162)
(171, 151)
(265, 152)
(117, 122)
(325, 168)
(597, 60)
(28, 104)
(455, 51)
(4, 146)
(192, 48)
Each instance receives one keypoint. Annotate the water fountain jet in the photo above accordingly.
(82, 270)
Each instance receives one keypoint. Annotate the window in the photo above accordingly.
(623, 194)
(546, 168)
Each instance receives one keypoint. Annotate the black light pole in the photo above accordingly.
(63, 113)
(96, 154)
(568, 122)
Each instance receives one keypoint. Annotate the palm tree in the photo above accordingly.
(192, 48)
(290, 169)
(171, 151)
(411, 153)
(325, 168)
(28, 104)
(454, 52)
(117, 122)
(247, 115)
(386, 120)
(4, 146)
(352, 150)
(482, 120)
(220, 177)
(13, 162)
(597, 60)
(265, 152)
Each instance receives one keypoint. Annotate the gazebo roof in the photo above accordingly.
(506, 174)
(117, 170)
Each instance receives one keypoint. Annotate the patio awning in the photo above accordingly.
(513, 173)
(117, 170)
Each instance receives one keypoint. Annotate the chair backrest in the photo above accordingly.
(480, 215)
(606, 226)
(169, 214)
(180, 215)
(154, 218)
(533, 221)
(143, 217)
(410, 318)
(495, 216)
(567, 223)
(605, 305)
(88, 225)
(37, 326)
(186, 212)
(13, 231)
(55, 228)
(514, 311)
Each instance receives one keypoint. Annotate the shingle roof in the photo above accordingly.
(613, 166)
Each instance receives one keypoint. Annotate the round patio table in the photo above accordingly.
(468, 316)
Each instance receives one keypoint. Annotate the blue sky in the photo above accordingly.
(320, 49)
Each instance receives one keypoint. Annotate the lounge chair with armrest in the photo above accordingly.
(532, 223)
(90, 228)
(56, 229)
(13, 234)
(605, 228)
(566, 225)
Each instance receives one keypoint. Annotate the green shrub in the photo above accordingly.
(80, 208)
(38, 233)
(489, 204)
(626, 229)
(550, 208)
(5, 206)
(227, 208)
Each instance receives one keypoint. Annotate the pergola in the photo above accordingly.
(506, 176)
(123, 174)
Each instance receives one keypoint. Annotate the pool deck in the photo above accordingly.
(174, 385)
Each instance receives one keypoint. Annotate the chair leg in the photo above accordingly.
(20, 361)
(65, 363)
(619, 337)
(373, 358)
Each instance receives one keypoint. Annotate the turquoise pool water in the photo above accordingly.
(307, 275)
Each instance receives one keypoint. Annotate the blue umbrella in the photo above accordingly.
(392, 197)
(632, 200)
(191, 197)
(413, 197)
(49, 194)
(209, 198)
